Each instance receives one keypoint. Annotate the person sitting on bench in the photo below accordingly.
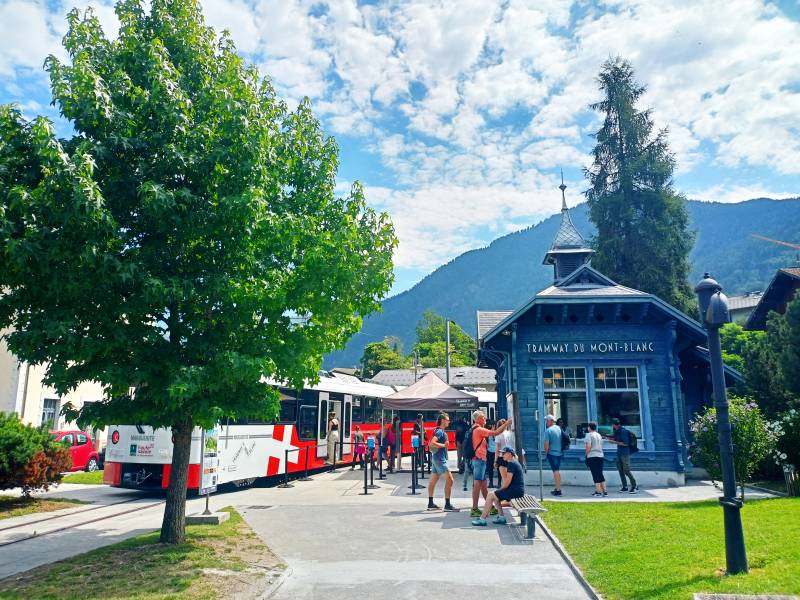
(512, 486)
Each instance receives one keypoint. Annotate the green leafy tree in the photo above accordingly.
(643, 240)
(387, 354)
(431, 344)
(186, 240)
(788, 347)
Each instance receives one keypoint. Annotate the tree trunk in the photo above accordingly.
(173, 527)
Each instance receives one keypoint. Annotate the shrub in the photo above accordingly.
(29, 457)
(753, 439)
(788, 450)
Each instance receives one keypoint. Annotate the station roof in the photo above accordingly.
(780, 291)
(459, 376)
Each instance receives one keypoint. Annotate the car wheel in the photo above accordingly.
(91, 465)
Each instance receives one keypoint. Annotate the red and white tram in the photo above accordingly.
(140, 457)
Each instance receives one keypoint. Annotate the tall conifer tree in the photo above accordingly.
(643, 240)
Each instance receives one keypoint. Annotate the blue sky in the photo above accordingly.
(457, 115)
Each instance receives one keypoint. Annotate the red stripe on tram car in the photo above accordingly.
(192, 482)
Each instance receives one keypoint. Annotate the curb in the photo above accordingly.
(593, 593)
(275, 585)
(766, 490)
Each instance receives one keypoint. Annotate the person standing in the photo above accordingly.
(439, 463)
(477, 436)
(512, 486)
(594, 459)
(461, 431)
(490, 456)
(552, 449)
(358, 453)
(333, 437)
(622, 439)
(419, 431)
(391, 439)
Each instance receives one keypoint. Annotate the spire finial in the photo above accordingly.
(563, 187)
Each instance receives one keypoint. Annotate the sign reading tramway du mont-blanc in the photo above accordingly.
(589, 347)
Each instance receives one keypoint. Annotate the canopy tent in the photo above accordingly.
(430, 393)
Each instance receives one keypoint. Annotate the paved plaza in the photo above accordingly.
(338, 543)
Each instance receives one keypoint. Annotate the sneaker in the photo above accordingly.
(623, 489)
(555, 492)
(475, 512)
(479, 522)
(432, 507)
(450, 508)
(499, 521)
(493, 512)
(605, 494)
(596, 495)
(634, 490)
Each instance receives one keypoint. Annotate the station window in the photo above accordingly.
(307, 423)
(565, 397)
(617, 393)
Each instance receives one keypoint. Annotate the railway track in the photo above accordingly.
(57, 529)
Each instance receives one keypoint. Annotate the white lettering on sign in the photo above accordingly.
(592, 347)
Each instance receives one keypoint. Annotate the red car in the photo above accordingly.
(84, 456)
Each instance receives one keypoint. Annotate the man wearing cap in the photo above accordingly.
(552, 448)
(512, 486)
(622, 438)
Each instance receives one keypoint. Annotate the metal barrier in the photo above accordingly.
(286, 483)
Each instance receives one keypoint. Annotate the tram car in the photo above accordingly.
(140, 457)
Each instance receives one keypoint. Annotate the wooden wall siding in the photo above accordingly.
(659, 393)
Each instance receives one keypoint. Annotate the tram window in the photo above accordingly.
(323, 419)
(288, 411)
(372, 413)
(346, 420)
(358, 402)
(307, 423)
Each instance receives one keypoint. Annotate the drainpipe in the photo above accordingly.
(675, 381)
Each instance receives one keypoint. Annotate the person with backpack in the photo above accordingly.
(553, 451)
(626, 443)
(476, 449)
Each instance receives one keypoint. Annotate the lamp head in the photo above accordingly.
(704, 290)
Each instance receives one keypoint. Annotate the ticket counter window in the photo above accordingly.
(565, 397)
(617, 395)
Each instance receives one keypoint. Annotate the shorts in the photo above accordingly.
(506, 495)
(439, 467)
(555, 462)
(478, 469)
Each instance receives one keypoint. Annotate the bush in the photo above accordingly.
(29, 457)
(788, 450)
(753, 439)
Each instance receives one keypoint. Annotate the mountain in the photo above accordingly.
(509, 271)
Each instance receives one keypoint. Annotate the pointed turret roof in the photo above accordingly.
(567, 240)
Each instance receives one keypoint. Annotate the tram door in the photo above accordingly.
(322, 426)
(347, 421)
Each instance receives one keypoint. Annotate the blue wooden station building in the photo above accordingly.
(588, 349)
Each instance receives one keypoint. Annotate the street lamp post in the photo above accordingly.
(447, 352)
(714, 314)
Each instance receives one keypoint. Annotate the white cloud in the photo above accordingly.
(729, 193)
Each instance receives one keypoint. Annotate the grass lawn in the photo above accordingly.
(215, 562)
(16, 506)
(93, 478)
(671, 550)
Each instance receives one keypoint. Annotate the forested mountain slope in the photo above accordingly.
(509, 271)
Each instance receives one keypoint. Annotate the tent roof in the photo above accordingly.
(430, 393)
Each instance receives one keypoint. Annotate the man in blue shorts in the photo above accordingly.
(552, 448)
(439, 465)
(512, 486)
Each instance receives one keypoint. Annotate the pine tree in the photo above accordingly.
(642, 239)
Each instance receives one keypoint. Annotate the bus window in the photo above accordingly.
(307, 422)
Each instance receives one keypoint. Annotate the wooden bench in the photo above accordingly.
(528, 507)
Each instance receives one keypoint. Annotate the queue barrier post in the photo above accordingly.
(286, 483)
(413, 491)
(305, 476)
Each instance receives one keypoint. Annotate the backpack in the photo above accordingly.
(469, 449)
(633, 443)
(565, 441)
